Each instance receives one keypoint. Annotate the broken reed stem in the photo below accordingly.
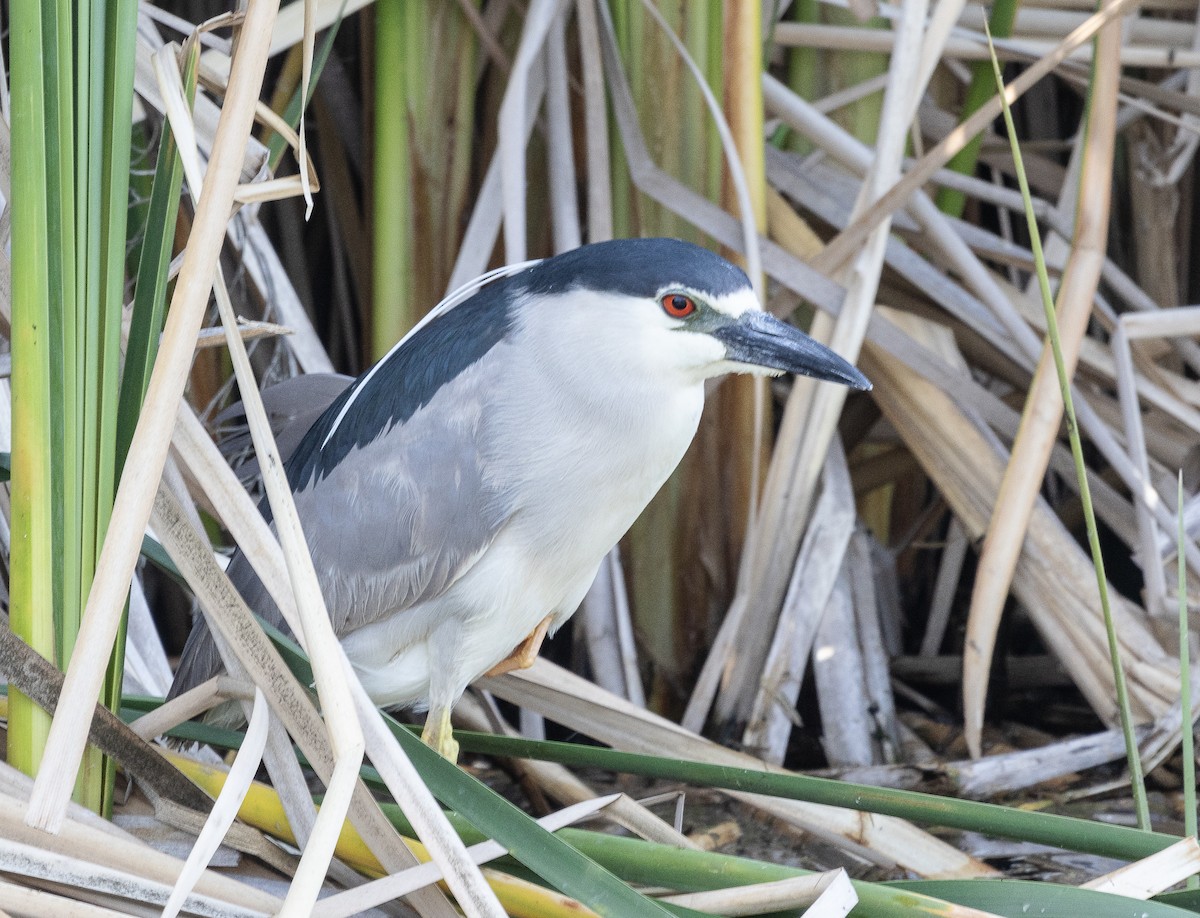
(1085, 496)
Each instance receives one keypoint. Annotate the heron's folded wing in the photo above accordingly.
(401, 518)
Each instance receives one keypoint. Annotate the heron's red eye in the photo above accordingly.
(678, 306)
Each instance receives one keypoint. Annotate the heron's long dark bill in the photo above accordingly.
(762, 340)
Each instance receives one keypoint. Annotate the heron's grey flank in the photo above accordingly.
(459, 496)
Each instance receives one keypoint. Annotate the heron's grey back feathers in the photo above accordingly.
(421, 506)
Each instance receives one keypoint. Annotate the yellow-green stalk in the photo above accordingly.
(1186, 727)
(109, 147)
(31, 585)
(668, 588)
(391, 274)
(803, 76)
(73, 64)
(1000, 22)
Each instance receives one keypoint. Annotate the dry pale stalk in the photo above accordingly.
(89, 838)
(849, 242)
(804, 608)
(511, 126)
(736, 417)
(1152, 875)
(824, 894)
(1044, 406)
(972, 46)
(344, 731)
(773, 544)
(595, 119)
(314, 627)
(1055, 580)
(848, 734)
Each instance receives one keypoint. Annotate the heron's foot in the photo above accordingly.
(524, 653)
(438, 735)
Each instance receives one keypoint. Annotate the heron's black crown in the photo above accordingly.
(633, 267)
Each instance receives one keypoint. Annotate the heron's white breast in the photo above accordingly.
(589, 430)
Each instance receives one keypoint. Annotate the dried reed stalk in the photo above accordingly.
(850, 241)
(776, 538)
(1054, 580)
(1040, 424)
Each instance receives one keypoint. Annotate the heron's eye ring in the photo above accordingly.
(678, 306)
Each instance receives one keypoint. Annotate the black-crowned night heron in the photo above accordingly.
(459, 497)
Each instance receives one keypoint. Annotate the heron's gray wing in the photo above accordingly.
(394, 521)
(400, 518)
(392, 482)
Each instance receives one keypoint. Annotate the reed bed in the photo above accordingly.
(856, 630)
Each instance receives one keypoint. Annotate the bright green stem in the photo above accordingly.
(392, 264)
(31, 584)
(1000, 22)
(970, 815)
(1066, 832)
(655, 865)
(803, 75)
(1085, 494)
(647, 863)
(150, 289)
(110, 227)
(851, 68)
(1185, 684)
(1003, 15)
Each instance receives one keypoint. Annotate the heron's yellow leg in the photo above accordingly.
(438, 734)
(524, 653)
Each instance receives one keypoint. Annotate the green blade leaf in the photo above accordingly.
(1021, 898)
(988, 818)
(563, 867)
